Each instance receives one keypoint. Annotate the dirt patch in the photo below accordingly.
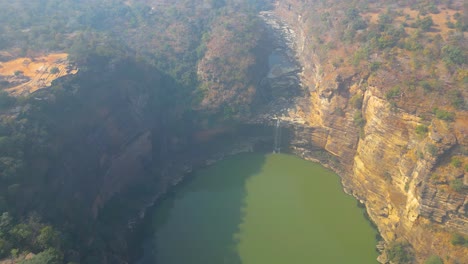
(23, 76)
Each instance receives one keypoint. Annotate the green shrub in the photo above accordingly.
(356, 101)
(394, 92)
(434, 260)
(426, 86)
(444, 115)
(339, 111)
(374, 66)
(420, 154)
(421, 130)
(362, 133)
(459, 240)
(360, 54)
(18, 73)
(358, 119)
(412, 44)
(450, 24)
(457, 185)
(354, 19)
(393, 107)
(432, 149)
(453, 55)
(457, 100)
(400, 252)
(387, 176)
(426, 23)
(456, 162)
(54, 70)
(433, 9)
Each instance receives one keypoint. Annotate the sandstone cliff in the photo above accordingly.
(383, 159)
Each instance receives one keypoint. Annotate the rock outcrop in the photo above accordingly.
(383, 161)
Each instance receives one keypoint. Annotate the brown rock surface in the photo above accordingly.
(385, 163)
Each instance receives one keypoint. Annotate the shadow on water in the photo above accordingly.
(198, 221)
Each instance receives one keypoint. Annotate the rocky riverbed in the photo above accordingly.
(282, 86)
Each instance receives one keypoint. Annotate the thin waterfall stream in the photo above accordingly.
(277, 148)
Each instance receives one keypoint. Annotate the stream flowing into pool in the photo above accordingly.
(260, 209)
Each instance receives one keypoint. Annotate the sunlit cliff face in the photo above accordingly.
(391, 143)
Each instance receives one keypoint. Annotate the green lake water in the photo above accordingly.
(260, 209)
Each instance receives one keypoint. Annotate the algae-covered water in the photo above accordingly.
(260, 209)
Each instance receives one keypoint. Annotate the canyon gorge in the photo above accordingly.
(365, 88)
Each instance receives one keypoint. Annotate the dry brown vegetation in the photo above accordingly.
(226, 70)
(393, 53)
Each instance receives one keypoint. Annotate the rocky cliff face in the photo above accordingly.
(383, 161)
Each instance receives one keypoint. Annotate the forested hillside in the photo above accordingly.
(60, 147)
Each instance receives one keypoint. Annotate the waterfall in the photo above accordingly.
(277, 146)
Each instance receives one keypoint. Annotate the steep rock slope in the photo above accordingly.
(393, 149)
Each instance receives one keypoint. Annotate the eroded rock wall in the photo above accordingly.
(383, 161)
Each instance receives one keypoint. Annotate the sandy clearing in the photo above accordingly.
(37, 72)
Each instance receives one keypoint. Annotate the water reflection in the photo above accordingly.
(197, 224)
(260, 209)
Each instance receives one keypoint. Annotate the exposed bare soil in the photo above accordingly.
(23, 76)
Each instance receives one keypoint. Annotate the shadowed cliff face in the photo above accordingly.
(96, 137)
(105, 138)
(120, 141)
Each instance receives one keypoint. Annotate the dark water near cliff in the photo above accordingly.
(260, 209)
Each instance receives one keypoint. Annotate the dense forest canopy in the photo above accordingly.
(122, 48)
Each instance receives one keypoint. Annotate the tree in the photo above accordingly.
(49, 256)
(400, 252)
(444, 115)
(54, 70)
(356, 101)
(354, 19)
(6, 100)
(426, 23)
(48, 238)
(457, 185)
(5, 223)
(458, 240)
(457, 99)
(421, 130)
(10, 167)
(22, 234)
(451, 55)
(5, 247)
